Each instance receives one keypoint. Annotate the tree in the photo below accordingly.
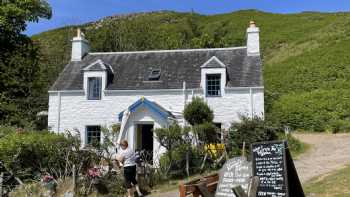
(20, 84)
(198, 112)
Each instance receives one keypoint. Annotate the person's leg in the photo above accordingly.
(130, 192)
(128, 181)
(134, 182)
(138, 190)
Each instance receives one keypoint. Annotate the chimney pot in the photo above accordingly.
(252, 24)
(78, 32)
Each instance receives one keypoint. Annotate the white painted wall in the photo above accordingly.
(77, 112)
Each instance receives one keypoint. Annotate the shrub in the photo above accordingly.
(198, 112)
(249, 130)
(28, 154)
(178, 161)
(5, 130)
(172, 138)
(207, 132)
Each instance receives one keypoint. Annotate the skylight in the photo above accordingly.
(154, 75)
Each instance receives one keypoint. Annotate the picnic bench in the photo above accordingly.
(204, 186)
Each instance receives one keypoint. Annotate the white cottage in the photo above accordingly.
(144, 90)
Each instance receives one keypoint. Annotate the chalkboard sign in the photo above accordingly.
(274, 166)
(236, 171)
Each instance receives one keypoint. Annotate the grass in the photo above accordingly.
(335, 184)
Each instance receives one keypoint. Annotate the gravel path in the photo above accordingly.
(328, 152)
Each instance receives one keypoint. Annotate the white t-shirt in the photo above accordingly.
(129, 157)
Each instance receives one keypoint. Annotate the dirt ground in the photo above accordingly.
(328, 152)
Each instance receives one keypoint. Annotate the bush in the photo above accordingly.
(178, 162)
(207, 132)
(198, 112)
(5, 130)
(28, 154)
(249, 130)
(296, 147)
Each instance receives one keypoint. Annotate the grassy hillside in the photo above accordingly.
(335, 184)
(306, 55)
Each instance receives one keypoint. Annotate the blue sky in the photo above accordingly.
(68, 12)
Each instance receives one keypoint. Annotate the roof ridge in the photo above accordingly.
(167, 51)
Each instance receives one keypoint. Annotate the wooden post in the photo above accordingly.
(243, 149)
(74, 178)
(182, 189)
(1, 181)
(253, 186)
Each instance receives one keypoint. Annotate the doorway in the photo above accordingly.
(144, 140)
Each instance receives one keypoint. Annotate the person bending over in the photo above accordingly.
(126, 157)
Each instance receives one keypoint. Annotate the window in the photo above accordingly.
(213, 85)
(154, 75)
(94, 88)
(93, 134)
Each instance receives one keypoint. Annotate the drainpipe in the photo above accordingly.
(58, 111)
(185, 99)
(251, 102)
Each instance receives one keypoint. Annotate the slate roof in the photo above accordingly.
(131, 69)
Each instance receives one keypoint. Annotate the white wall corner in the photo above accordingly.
(253, 41)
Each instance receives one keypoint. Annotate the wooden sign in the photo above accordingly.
(236, 171)
(273, 164)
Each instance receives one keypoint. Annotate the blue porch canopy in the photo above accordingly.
(152, 106)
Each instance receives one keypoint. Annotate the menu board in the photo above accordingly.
(269, 164)
(236, 171)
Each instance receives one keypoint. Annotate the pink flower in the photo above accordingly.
(94, 172)
(47, 178)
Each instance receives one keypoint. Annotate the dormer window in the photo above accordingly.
(94, 88)
(213, 77)
(97, 76)
(154, 75)
(213, 83)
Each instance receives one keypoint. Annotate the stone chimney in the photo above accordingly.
(80, 46)
(253, 45)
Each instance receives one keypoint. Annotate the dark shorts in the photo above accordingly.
(130, 176)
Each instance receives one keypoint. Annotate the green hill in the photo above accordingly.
(306, 55)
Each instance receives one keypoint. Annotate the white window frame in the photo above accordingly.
(206, 86)
(89, 74)
(209, 71)
(87, 134)
(99, 79)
